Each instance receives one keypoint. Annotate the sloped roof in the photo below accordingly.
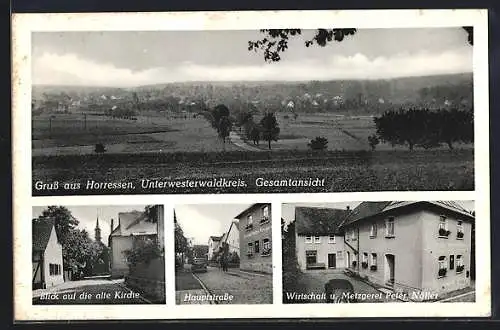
(41, 231)
(369, 209)
(134, 223)
(215, 238)
(318, 221)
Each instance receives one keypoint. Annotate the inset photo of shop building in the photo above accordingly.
(223, 253)
(390, 251)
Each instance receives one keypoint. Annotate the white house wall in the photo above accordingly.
(53, 255)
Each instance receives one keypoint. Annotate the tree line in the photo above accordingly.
(423, 128)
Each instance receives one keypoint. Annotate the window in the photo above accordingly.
(265, 212)
(311, 257)
(54, 269)
(317, 239)
(460, 264)
(249, 222)
(353, 235)
(266, 247)
(256, 246)
(460, 230)
(442, 266)
(373, 230)
(443, 227)
(364, 261)
(308, 239)
(452, 261)
(389, 227)
(250, 249)
(331, 239)
(373, 262)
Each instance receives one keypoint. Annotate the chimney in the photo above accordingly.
(111, 226)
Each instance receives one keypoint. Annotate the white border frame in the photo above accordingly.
(24, 24)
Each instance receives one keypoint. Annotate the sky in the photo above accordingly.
(127, 59)
(288, 210)
(199, 222)
(87, 216)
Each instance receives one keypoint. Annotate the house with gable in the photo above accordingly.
(47, 256)
(319, 240)
(414, 246)
(132, 226)
(213, 246)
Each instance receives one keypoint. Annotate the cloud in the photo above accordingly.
(70, 69)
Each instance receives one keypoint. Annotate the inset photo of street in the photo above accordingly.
(98, 255)
(223, 254)
(379, 252)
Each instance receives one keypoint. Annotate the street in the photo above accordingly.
(89, 291)
(233, 287)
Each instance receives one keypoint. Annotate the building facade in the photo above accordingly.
(213, 246)
(132, 226)
(319, 241)
(233, 238)
(256, 238)
(47, 258)
(415, 247)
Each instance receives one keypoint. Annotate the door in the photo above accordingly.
(390, 263)
(332, 260)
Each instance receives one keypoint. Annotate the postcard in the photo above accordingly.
(251, 164)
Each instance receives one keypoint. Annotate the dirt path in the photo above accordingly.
(236, 140)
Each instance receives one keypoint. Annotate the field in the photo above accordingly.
(167, 148)
(342, 171)
(68, 134)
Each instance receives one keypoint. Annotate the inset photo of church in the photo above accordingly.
(98, 254)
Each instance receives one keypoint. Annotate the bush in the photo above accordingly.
(318, 143)
(99, 148)
(373, 140)
(143, 251)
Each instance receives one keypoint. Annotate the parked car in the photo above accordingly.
(199, 265)
(339, 291)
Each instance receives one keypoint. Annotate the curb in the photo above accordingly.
(211, 302)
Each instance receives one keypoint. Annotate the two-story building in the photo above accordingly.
(415, 247)
(319, 240)
(256, 238)
(213, 246)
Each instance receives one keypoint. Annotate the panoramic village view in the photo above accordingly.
(259, 111)
(98, 255)
(223, 254)
(391, 251)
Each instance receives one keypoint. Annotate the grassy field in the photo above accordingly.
(342, 171)
(67, 133)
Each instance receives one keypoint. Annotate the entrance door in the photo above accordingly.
(390, 263)
(332, 260)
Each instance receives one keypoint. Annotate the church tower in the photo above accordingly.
(97, 231)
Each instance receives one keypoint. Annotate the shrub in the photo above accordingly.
(99, 148)
(318, 143)
(373, 140)
(143, 251)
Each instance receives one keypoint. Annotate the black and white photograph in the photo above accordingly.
(379, 252)
(252, 111)
(98, 255)
(223, 254)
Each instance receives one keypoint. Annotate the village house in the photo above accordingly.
(213, 246)
(414, 247)
(47, 257)
(256, 238)
(232, 238)
(131, 227)
(319, 242)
